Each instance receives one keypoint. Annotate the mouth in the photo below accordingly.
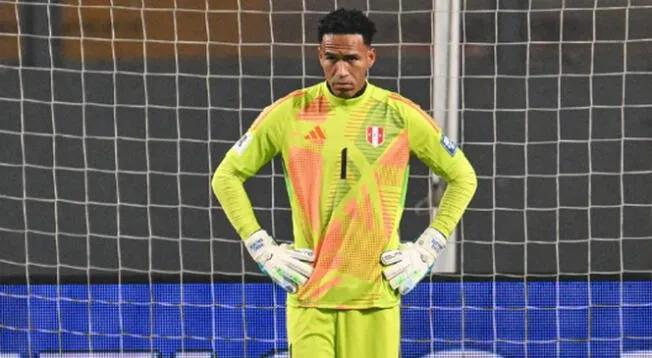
(343, 86)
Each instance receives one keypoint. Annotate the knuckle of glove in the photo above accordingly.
(264, 259)
(389, 274)
(305, 254)
(391, 257)
(298, 267)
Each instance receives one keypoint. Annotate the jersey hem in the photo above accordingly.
(291, 303)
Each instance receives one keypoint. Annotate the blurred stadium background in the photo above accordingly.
(113, 115)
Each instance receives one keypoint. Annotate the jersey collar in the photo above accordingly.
(345, 101)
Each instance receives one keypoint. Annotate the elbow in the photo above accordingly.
(219, 182)
(216, 181)
(466, 181)
(224, 179)
(471, 182)
(472, 179)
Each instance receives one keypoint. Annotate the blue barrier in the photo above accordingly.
(513, 319)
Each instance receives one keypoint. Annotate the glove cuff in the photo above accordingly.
(433, 241)
(258, 243)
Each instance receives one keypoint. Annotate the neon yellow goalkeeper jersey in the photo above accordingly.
(346, 170)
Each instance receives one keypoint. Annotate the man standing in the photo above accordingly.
(345, 145)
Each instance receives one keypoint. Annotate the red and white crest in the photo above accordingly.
(375, 136)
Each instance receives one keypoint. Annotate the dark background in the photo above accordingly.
(107, 148)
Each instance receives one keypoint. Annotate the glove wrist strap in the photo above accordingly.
(258, 243)
(432, 241)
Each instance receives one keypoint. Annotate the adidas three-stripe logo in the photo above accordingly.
(316, 135)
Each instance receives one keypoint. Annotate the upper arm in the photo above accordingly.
(261, 142)
(429, 143)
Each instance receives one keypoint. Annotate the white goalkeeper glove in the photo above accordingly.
(409, 264)
(287, 266)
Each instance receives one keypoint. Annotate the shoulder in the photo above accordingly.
(401, 102)
(393, 99)
(289, 100)
(406, 106)
(280, 108)
(410, 110)
(296, 98)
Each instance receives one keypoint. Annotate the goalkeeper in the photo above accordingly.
(345, 145)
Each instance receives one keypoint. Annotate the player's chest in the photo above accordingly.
(369, 134)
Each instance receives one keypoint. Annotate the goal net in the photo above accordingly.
(115, 113)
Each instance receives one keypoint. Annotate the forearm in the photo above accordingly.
(456, 198)
(230, 192)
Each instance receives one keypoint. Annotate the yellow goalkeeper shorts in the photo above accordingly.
(331, 333)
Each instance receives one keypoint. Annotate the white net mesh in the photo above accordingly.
(552, 114)
(115, 115)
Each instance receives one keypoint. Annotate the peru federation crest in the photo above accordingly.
(375, 136)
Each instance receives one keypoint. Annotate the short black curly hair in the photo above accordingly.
(345, 22)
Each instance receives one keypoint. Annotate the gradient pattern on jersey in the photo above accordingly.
(346, 170)
(358, 213)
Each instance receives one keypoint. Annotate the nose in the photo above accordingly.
(341, 70)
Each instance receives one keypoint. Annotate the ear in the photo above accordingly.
(371, 56)
(320, 53)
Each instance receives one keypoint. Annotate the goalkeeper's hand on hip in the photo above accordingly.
(405, 267)
(287, 266)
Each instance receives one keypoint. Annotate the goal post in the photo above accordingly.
(445, 59)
